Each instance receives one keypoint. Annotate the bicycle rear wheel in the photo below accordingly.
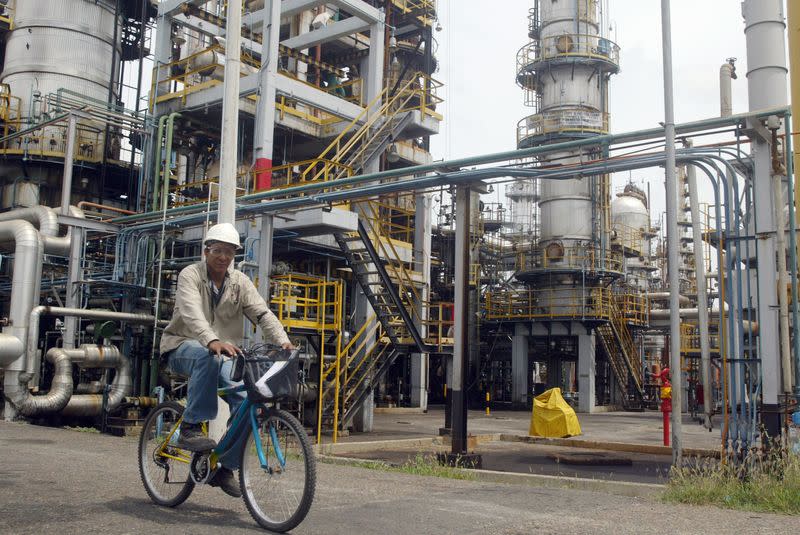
(279, 494)
(164, 469)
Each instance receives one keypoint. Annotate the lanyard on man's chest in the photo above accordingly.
(216, 294)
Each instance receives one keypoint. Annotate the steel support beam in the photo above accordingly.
(90, 224)
(343, 28)
(168, 7)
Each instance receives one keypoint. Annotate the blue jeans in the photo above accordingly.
(206, 373)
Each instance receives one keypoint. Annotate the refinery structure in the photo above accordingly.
(131, 126)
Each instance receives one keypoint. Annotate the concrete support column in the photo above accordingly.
(265, 236)
(373, 66)
(363, 418)
(419, 380)
(586, 371)
(264, 136)
(422, 263)
(162, 54)
(519, 366)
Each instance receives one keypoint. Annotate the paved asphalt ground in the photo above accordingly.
(63, 482)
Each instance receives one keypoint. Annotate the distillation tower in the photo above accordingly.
(566, 268)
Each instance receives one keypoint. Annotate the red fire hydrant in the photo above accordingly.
(666, 401)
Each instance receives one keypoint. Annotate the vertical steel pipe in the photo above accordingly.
(673, 258)
(702, 296)
(230, 114)
(69, 157)
(783, 282)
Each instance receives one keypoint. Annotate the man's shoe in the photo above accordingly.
(225, 480)
(193, 439)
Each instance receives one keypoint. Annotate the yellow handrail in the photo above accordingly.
(403, 278)
(336, 151)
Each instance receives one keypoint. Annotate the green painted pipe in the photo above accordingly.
(161, 189)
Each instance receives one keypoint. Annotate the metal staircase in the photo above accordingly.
(617, 342)
(389, 297)
(383, 120)
(377, 266)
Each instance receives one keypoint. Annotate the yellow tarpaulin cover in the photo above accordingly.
(553, 417)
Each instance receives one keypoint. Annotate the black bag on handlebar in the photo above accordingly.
(270, 375)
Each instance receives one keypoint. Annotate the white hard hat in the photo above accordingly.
(223, 232)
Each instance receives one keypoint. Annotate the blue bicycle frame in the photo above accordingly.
(237, 430)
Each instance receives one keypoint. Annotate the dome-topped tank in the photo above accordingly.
(630, 217)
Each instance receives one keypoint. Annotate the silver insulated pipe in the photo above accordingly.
(25, 284)
(60, 397)
(46, 220)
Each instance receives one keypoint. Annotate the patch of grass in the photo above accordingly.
(759, 482)
(428, 465)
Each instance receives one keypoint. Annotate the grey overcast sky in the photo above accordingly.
(477, 50)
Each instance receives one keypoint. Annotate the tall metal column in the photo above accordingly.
(461, 316)
(230, 114)
(673, 256)
(766, 81)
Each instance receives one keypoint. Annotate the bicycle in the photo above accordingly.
(277, 474)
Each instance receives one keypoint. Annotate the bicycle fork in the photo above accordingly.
(262, 458)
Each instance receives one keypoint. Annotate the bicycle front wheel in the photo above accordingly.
(279, 492)
(164, 469)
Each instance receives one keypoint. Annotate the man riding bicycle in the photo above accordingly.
(211, 301)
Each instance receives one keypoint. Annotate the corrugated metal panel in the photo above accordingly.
(60, 44)
(58, 51)
(90, 17)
